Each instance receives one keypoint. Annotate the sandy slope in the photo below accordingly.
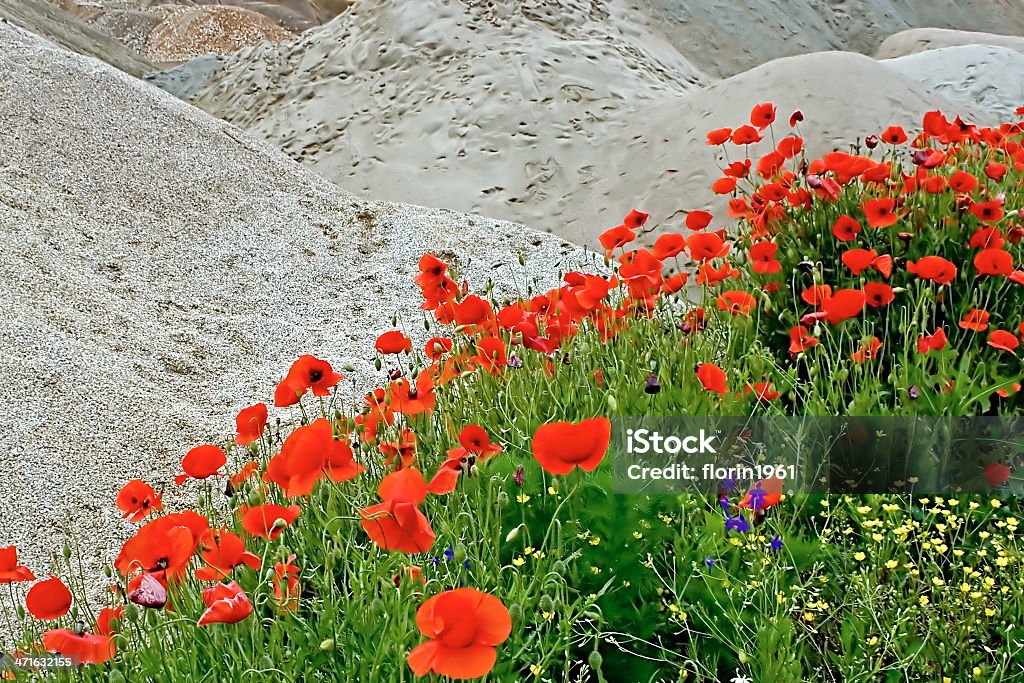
(986, 75)
(159, 270)
(72, 33)
(922, 39)
(726, 38)
(567, 146)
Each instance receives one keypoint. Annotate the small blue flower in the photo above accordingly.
(757, 495)
(436, 560)
(710, 562)
(739, 524)
(729, 485)
(723, 503)
(466, 563)
(449, 553)
(776, 543)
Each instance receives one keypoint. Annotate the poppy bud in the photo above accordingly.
(21, 612)
(377, 364)
(394, 320)
(651, 385)
(558, 567)
(516, 613)
(594, 617)
(67, 550)
(348, 367)
(502, 499)
(522, 259)
(613, 405)
(546, 604)
(595, 660)
(460, 553)
(871, 141)
(327, 645)
(514, 534)
(115, 676)
(107, 571)
(255, 499)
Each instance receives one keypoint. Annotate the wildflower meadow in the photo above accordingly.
(460, 521)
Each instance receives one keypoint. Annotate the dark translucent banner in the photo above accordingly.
(926, 455)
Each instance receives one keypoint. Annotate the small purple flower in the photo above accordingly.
(652, 386)
(449, 553)
(814, 181)
(729, 485)
(723, 502)
(739, 524)
(921, 156)
(757, 495)
(514, 361)
(710, 562)
(520, 476)
(776, 544)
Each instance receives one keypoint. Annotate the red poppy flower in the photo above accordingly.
(762, 256)
(413, 399)
(962, 181)
(996, 474)
(790, 146)
(976, 320)
(719, 136)
(287, 589)
(858, 260)
(397, 523)
(987, 237)
(880, 213)
(414, 574)
(1003, 340)
(737, 169)
(816, 294)
(669, 245)
(724, 185)
(200, 463)
(491, 355)
(745, 135)
(705, 246)
(436, 347)
(995, 170)
(250, 423)
(673, 283)
(763, 391)
(447, 476)
(400, 453)
(894, 135)
(310, 452)
(10, 570)
(800, 339)
(867, 351)
(269, 520)
(635, 219)
(49, 599)
(226, 603)
(932, 342)
(934, 268)
(843, 305)
(712, 378)
(795, 118)
(561, 446)
(846, 228)
(763, 115)
(164, 545)
(709, 275)
(616, 237)
(243, 474)
(308, 372)
(988, 212)
(737, 302)
(993, 262)
(106, 618)
(698, 220)
(463, 627)
(883, 264)
(473, 310)
(136, 500)
(81, 648)
(767, 167)
(392, 342)
(878, 294)
(223, 550)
